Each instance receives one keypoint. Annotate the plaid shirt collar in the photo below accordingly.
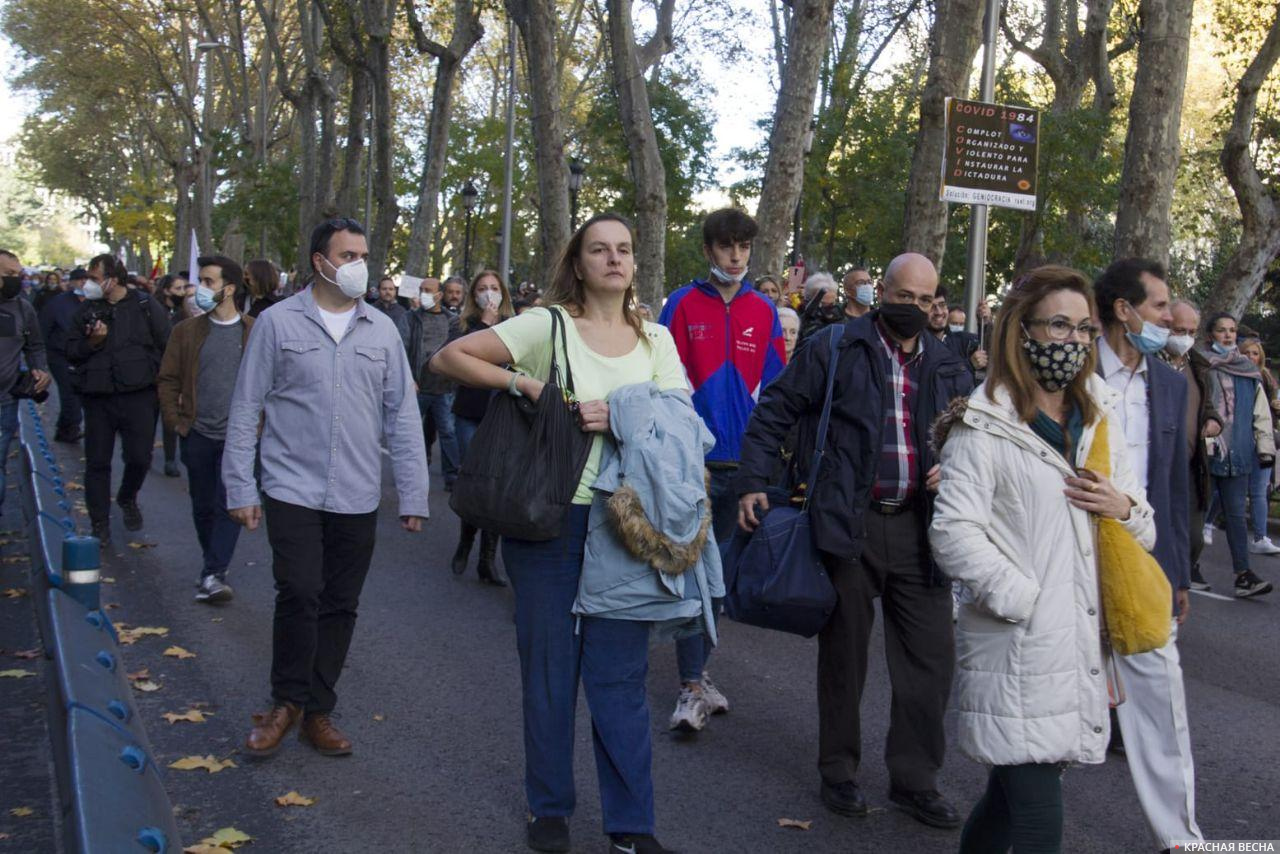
(894, 350)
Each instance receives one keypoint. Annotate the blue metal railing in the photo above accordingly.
(112, 797)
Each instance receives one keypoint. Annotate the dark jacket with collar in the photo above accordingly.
(137, 331)
(842, 492)
(1168, 471)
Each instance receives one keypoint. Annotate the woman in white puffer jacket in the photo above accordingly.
(1014, 523)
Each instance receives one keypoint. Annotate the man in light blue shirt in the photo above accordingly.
(328, 378)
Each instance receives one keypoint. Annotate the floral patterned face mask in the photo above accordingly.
(1056, 363)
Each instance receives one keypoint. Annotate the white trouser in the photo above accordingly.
(1157, 741)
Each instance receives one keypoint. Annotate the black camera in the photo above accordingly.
(94, 315)
(24, 388)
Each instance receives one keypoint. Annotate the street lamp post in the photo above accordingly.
(795, 223)
(470, 195)
(576, 171)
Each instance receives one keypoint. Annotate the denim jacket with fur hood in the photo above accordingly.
(650, 554)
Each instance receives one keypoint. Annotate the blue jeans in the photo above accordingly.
(692, 652)
(464, 429)
(1259, 480)
(8, 431)
(610, 657)
(216, 531)
(1232, 493)
(439, 408)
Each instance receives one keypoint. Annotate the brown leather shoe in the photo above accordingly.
(270, 728)
(319, 732)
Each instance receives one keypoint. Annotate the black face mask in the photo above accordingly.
(905, 320)
(11, 288)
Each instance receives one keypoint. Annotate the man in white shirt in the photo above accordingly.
(1134, 306)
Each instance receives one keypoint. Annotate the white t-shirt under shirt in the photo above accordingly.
(655, 359)
(336, 322)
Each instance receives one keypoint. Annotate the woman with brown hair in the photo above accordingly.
(261, 278)
(1014, 523)
(486, 304)
(607, 346)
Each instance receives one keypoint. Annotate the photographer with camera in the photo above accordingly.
(19, 336)
(114, 346)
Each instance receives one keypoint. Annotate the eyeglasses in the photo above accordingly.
(1060, 329)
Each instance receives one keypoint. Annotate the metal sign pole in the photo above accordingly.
(504, 251)
(976, 278)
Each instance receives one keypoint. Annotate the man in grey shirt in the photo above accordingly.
(430, 328)
(196, 379)
(19, 336)
(326, 376)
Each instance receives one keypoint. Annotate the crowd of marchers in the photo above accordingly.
(963, 480)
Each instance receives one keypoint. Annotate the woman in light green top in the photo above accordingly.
(609, 346)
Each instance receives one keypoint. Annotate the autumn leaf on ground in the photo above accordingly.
(216, 620)
(21, 812)
(14, 559)
(146, 685)
(796, 823)
(106, 579)
(293, 799)
(129, 634)
(14, 592)
(201, 848)
(209, 763)
(27, 654)
(227, 837)
(72, 486)
(137, 545)
(144, 673)
(194, 716)
(179, 652)
(379, 717)
(111, 606)
(15, 674)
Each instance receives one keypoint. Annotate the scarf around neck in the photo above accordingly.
(1222, 387)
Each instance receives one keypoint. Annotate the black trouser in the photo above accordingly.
(1020, 810)
(320, 560)
(69, 410)
(919, 646)
(170, 445)
(131, 414)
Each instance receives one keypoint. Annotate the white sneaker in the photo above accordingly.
(691, 711)
(716, 702)
(1208, 535)
(1264, 546)
(214, 591)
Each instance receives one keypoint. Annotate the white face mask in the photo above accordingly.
(956, 327)
(427, 301)
(489, 299)
(728, 278)
(1178, 345)
(865, 294)
(351, 278)
(92, 290)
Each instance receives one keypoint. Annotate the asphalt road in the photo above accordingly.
(430, 697)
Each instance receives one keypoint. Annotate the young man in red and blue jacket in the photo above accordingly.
(730, 341)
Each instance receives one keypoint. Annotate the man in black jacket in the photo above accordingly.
(114, 346)
(869, 512)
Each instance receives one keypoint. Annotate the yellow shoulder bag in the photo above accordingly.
(1137, 600)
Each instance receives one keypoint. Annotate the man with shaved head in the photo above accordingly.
(869, 512)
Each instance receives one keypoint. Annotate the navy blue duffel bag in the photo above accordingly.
(774, 577)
